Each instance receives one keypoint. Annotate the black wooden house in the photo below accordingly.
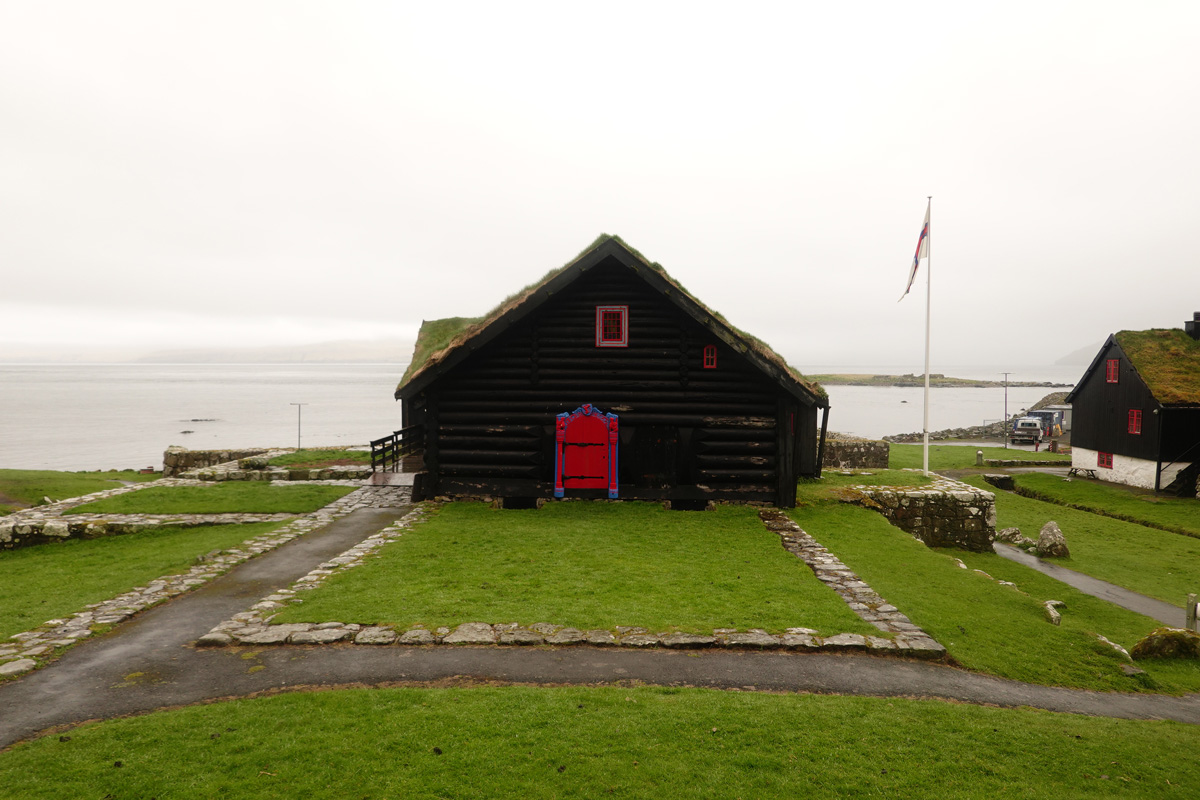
(607, 379)
(1136, 410)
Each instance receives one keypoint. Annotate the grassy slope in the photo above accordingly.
(1154, 562)
(520, 742)
(252, 497)
(1160, 511)
(587, 565)
(26, 487)
(985, 626)
(951, 456)
(53, 580)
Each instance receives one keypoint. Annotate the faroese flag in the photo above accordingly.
(922, 251)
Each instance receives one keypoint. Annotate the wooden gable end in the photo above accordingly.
(1100, 408)
(686, 432)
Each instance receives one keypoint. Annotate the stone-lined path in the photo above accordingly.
(253, 626)
(148, 662)
(24, 651)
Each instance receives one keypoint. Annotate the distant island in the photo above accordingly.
(935, 379)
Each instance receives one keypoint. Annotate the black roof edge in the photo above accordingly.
(613, 248)
(1111, 340)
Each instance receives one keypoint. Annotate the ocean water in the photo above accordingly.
(873, 412)
(103, 416)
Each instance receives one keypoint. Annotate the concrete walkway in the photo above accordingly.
(1148, 606)
(148, 663)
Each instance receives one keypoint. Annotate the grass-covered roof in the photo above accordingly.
(1168, 360)
(438, 338)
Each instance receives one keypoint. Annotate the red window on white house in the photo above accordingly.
(1113, 371)
(1104, 460)
(612, 326)
(1135, 420)
(710, 356)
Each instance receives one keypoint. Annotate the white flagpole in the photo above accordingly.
(928, 292)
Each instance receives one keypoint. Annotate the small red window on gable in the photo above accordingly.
(1104, 460)
(1135, 420)
(612, 326)
(710, 356)
(1114, 370)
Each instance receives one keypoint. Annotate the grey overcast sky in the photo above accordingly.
(178, 174)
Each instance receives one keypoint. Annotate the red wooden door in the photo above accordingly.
(585, 453)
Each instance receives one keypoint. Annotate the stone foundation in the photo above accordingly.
(177, 460)
(946, 514)
(850, 452)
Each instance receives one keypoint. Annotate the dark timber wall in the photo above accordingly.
(1100, 410)
(685, 432)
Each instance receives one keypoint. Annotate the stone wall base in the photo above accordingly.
(850, 452)
(946, 514)
(177, 460)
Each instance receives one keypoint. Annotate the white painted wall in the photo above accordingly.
(1126, 470)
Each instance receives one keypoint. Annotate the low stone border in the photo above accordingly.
(255, 468)
(253, 627)
(47, 523)
(861, 598)
(1004, 462)
(26, 650)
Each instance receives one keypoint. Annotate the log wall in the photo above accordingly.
(686, 432)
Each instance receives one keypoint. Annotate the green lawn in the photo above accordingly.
(56, 579)
(1147, 560)
(586, 565)
(1177, 514)
(950, 456)
(322, 457)
(20, 488)
(985, 626)
(230, 497)
(524, 742)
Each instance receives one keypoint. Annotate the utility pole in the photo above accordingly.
(1004, 428)
(298, 405)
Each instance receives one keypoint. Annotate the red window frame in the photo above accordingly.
(1135, 420)
(612, 326)
(1113, 370)
(710, 356)
(1104, 460)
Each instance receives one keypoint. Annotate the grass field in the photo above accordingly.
(1147, 560)
(524, 742)
(950, 456)
(53, 580)
(321, 457)
(585, 565)
(21, 488)
(250, 497)
(987, 627)
(1177, 514)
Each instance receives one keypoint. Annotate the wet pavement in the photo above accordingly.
(1147, 606)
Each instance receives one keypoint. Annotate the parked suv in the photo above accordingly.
(1026, 429)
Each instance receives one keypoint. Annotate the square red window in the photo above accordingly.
(1135, 420)
(612, 326)
(1104, 460)
(710, 356)
(1113, 370)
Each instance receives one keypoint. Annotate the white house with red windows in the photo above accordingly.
(1136, 411)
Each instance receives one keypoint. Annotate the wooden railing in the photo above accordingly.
(388, 453)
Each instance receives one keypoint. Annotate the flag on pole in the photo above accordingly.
(922, 251)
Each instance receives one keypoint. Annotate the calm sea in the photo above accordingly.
(101, 416)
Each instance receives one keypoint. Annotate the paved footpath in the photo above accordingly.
(149, 662)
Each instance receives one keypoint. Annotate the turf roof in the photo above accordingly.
(1168, 360)
(438, 338)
